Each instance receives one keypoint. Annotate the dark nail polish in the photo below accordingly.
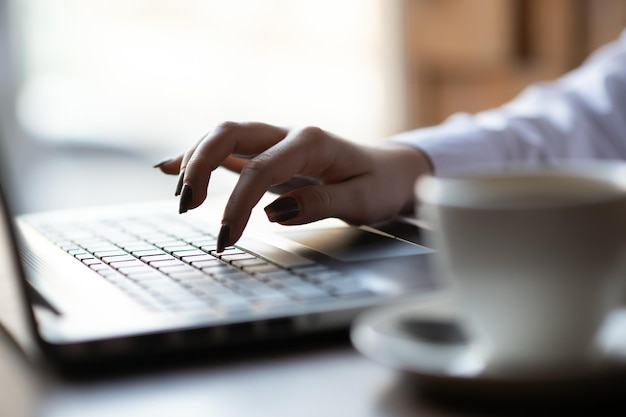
(179, 185)
(283, 209)
(163, 162)
(185, 199)
(222, 237)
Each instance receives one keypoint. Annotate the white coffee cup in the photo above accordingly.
(536, 257)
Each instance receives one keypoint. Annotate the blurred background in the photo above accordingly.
(99, 90)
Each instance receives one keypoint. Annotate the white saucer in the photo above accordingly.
(424, 339)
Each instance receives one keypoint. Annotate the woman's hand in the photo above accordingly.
(357, 183)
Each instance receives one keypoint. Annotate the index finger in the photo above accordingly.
(219, 147)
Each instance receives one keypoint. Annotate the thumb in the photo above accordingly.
(346, 200)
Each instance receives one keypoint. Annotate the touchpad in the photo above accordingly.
(351, 244)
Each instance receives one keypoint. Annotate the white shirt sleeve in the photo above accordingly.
(581, 115)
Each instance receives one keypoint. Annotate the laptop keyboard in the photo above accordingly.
(169, 264)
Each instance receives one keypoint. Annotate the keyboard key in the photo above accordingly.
(147, 252)
(285, 280)
(237, 257)
(145, 276)
(163, 264)
(136, 246)
(170, 241)
(209, 263)
(311, 269)
(178, 248)
(222, 273)
(103, 248)
(252, 261)
(114, 278)
(190, 252)
(197, 258)
(269, 301)
(354, 293)
(260, 290)
(153, 258)
(276, 276)
(203, 242)
(326, 277)
(263, 268)
(193, 274)
(306, 292)
(206, 286)
(343, 282)
(216, 269)
(156, 238)
(231, 303)
(349, 290)
(177, 269)
(67, 246)
(135, 269)
(118, 258)
(165, 287)
(99, 266)
(231, 250)
(239, 279)
(127, 264)
(83, 255)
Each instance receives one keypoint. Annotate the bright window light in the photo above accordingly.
(154, 75)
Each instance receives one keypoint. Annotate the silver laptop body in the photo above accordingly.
(166, 289)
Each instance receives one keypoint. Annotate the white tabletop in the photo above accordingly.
(325, 379)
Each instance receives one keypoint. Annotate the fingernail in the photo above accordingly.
(179, 186)
(163, 162)
(185, 199)
(222, 237)
(283, 209)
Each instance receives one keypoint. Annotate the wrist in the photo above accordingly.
(407, 164)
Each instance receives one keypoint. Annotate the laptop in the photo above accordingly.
(111, 282)
(97, 284)
(101, 284)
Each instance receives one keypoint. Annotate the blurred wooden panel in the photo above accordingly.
(470, 55)
(470, 92)
(606, 19)
(458, 32)
(554, 31)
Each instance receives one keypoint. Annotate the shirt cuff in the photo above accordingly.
(456, 146)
